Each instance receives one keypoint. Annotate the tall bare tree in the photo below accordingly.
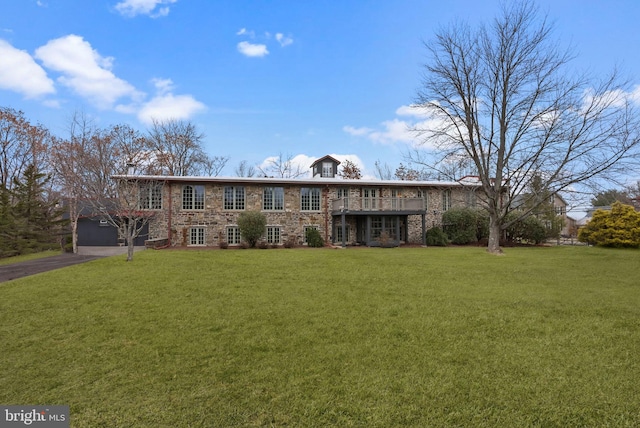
(178, 147)
(501, 96)
(244, 169)
(282, 167)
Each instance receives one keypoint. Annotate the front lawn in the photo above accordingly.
(320, 337)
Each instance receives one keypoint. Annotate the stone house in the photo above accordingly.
(203, 211)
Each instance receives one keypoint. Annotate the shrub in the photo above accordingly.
(224, 245)
(313, 238)
(290, 243)
(461, 225)
(436, 237)
(263, 245)
(252, 225)
(619, 228)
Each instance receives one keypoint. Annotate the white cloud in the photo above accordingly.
(84, 70)
(165, 105)
(152, 8)
(357, 132)
(283, 40)
(252, 50)
(20, 73)
(399, 130)
(245, 32)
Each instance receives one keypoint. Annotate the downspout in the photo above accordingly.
(326, 213)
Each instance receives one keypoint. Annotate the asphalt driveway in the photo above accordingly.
(31, 267)
(85, 254)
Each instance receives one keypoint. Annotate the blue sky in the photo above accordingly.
(259, 78)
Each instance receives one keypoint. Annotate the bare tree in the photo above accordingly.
(383, 171)
(21, 144)
(245, 170)
(177, 146)
(282, 167)
(67, 160)
(350, 171)
(501, 97)
(212, 166)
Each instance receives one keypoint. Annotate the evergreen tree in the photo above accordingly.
(37, 220)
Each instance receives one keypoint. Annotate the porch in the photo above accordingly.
(375, 221)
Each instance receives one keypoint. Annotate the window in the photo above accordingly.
(339, 233)
(471, 198)
(425, 196)
(327, 169)
(273, 234)
(310, 199)
(560, 210)
(234, 198)
(304, 235)
(376, 227)
(193, 197)
(343, 195)
(151, 196)
(196, 236)
(446, 200)
(273, 199)
(369, 198)
(233, 235)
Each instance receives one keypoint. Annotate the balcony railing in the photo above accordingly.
(352, 204)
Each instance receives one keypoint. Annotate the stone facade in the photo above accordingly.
(209, 224)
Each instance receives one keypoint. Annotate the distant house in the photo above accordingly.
(203, 211)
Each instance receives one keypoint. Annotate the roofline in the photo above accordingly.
(295, 181)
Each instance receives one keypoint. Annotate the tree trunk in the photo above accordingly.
(130, 241)
(494, 235)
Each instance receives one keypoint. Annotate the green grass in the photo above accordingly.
(26, 257)
(546, 337)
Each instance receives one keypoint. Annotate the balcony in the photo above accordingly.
(377, 205)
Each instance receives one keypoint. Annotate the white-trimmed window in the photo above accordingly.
(471, 199)
(310, 199)
(327, 169)
(305, 229)
(343, 193)
(370, 198)
(196, 236)
(151, 196)
(273, 199)
(424, 194)
(193, 197)
(446, 200)
(233, 235)
(234, 197)
(273, 234)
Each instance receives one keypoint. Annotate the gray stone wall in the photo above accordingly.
(215, 220)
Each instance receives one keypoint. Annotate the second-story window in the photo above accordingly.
(446, 200)
(150, 196)
(273, 199)
(310, 199)
(234, 198)
(193, 197)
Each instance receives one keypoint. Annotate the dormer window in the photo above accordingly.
(327, 169)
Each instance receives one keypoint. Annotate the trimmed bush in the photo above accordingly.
(436, 237)
(618, 228)
(252, 225)
(461, 225)
(530, 229)
(313, 238)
